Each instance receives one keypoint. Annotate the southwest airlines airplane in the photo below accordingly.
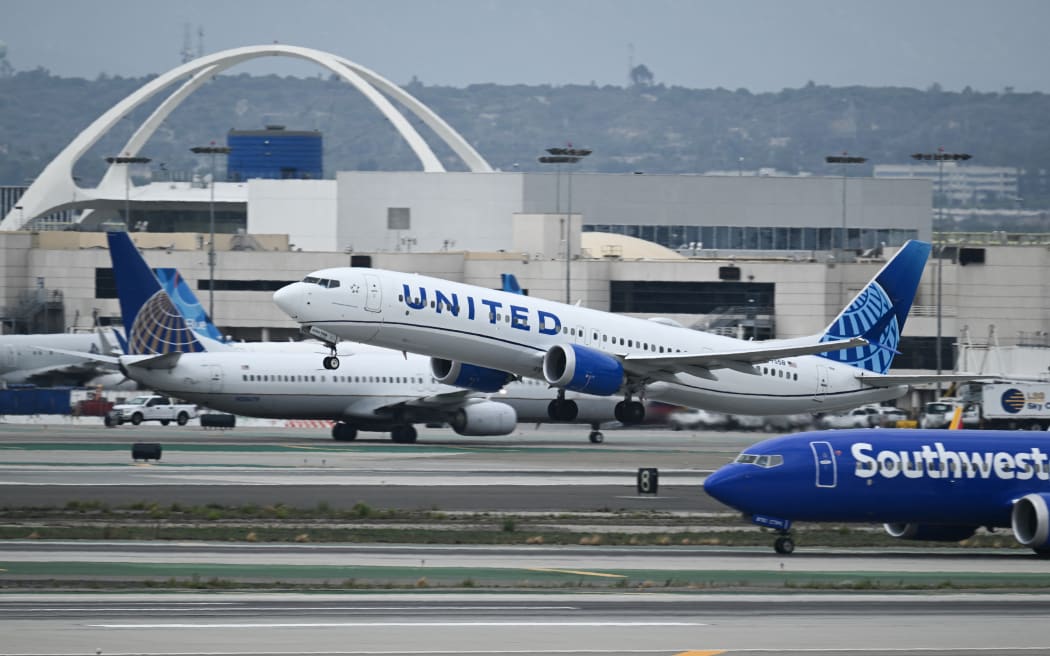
(380, 389)
(474, 332)
(923, 484)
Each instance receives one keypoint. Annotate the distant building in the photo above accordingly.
(275, 154)
(963, 184)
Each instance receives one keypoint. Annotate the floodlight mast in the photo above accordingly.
(559, 156)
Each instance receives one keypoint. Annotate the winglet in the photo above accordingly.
(878, 312)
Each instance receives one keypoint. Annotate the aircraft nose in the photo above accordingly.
(289, 299)
(726, 485)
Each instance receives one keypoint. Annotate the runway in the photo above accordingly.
(514, 599)
(528, 471)
(411, 624)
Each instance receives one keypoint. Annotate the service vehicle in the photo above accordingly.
(151, 407)
(1010, 405)
(939, 413)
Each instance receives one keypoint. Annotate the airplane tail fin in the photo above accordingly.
(510, 283)
(186, 301)
(152, 323)
(878, 312)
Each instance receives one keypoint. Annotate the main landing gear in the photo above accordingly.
(404, 434)
(561, 409)
(629, 412)
(344, 432)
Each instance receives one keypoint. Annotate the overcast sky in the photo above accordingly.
(761, 45)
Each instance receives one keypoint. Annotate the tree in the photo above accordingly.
(641, 76)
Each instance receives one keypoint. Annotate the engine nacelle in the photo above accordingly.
(1030, 519)
(468, 376)
(931, 532)
(582, 369)
(484, 418)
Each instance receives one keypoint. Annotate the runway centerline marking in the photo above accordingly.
(576, 571)
(319, 625)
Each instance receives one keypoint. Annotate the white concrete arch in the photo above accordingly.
(55, 183)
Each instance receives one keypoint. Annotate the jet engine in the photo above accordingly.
(468, 376)
(484, 418)
(582, 369)
(932, 532)
(1030, 519)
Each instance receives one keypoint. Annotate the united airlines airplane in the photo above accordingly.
(922, 484)
(380, 389)
(467, 328)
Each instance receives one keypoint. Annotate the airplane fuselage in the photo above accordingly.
(510, 332)
(286, 385)
(937, 477)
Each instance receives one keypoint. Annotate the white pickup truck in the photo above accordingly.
(151, 407)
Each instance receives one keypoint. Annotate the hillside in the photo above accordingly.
(655, 129)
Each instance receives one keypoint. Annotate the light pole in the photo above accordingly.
(561, 156)
(940, 157)
(844, 159)
(127, 161)
(212, 150)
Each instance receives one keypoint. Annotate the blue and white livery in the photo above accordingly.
(583, 350)
(921, 484)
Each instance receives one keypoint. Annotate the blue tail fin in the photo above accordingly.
(878, 312)
(186, 301)
(152, 324)
(510, 283)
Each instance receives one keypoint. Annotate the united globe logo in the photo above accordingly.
(870, 315)
(1012, 400)
(159, 329)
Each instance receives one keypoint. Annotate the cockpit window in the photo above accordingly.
(764, 461)
(323, 282)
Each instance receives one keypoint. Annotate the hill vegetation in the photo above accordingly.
(644, 127)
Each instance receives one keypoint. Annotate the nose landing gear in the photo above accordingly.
(784, 545)
(330, 362)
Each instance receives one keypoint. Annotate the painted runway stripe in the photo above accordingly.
(193, 608)
(321, 625)
(576, 571)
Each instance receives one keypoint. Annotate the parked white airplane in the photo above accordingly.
(32, 359)
(579, 349)
(379, 390)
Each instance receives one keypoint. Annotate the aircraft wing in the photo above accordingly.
(370, 406)
(163, 361)
(875, 380)
(61, 374)
(93, 357)
(739, 359)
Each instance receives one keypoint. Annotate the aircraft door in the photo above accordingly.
(582, 336)
(373, 294)
(9, 357)
(214, 374)
(822, 384)
(824, 458)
